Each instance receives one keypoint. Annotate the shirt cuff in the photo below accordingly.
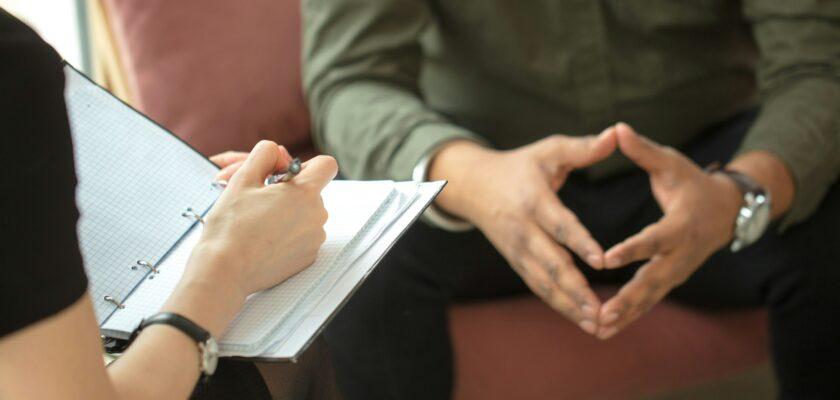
(439, 135)
(423, 141)
(804, 138)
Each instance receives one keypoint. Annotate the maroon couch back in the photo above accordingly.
(221, 74)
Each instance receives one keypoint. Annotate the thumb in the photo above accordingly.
(645, 153)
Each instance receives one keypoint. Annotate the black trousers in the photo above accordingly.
(391, 341)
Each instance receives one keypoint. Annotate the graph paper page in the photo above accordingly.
(135, 180)
(352, 206)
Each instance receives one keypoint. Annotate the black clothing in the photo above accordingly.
(40, 263)
(41, 267)
(391, 341)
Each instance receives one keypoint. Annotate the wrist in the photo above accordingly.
(207, 293)
(451, 163)
(769, 172)
(731, 201)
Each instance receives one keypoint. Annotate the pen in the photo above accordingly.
(294, 169)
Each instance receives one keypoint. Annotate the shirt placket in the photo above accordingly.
(590, 68)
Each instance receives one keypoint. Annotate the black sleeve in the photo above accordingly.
(41, 270)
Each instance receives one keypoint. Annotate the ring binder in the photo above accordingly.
(146, 264)
(189, 213)
(114, 302)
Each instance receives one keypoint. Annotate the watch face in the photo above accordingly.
(209, 356)
(757, 223)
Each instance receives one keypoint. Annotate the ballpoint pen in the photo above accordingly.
(294, 168)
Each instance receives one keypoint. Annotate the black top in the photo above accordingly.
(41, 270)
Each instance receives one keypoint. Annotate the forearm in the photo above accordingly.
(453, 162)
(163, 358)
(379, 130)
(361, 78)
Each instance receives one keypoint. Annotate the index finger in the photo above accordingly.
(647, 287)
(645, 153)
(264, 159)
(659, 237)
(565, 228)
(318, 171)
(227, 158)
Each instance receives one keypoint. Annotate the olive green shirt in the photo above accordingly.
(388, 81)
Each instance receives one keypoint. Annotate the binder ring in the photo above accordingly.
(189, 213)
(148, 265)
(114, 302)
(219, 184)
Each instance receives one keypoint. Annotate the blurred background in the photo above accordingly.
(61, 22)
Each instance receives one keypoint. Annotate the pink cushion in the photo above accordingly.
(521, 349)
(221, 74)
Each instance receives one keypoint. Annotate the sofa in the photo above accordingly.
(223, 74)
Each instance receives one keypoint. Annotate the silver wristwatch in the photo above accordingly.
(755, 213)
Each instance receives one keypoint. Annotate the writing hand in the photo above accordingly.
(265, 234)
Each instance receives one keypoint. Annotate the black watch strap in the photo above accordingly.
(744, 183)
(180, 322)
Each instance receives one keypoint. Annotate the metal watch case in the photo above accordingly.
(753, 218)
(209, 350)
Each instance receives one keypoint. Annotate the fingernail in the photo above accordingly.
(588, 327)
(610, 318)
(613, 262)
(607, 333)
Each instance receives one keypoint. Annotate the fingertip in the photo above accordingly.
(595, 261)
(612, 261)
(265, 143)
(623, 128)
(606, 333)
(588, 327)
(331, 163)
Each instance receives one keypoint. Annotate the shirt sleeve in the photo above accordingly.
(361, 66)
(41, 270)
(799, 78)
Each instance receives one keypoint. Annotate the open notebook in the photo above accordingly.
(139, 184)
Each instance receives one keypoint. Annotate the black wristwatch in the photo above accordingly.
(754, 216)
(207, 346)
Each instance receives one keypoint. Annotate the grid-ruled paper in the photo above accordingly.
(135, 180)
(351, 206)
(406, 194)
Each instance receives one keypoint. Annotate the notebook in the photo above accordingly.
(140, 193)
